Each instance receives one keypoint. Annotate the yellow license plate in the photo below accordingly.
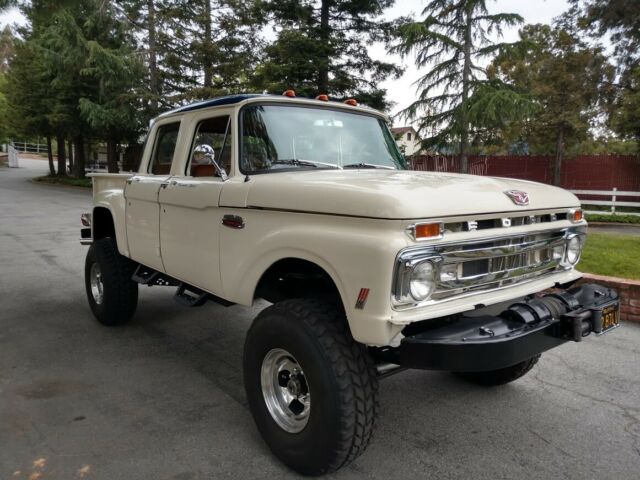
(610, 317)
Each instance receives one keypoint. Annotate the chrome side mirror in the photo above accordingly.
(208, 154)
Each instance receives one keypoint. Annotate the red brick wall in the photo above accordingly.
(585, 172)
(629, 291)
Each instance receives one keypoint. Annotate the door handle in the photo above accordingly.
(131, 180)
(190, 185)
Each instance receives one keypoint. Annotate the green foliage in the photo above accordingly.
(455, 98)
(564, 78)
(68, 181)
(321, 47)
(612, 255)
(617, 218)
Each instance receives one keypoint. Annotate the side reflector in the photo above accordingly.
(362, 298)
(289, 93)
(427, 230)
(323, 98)
(577, 215)
(351, 101)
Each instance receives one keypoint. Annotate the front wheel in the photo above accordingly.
(112, 295)
(312, 389)
(501, 376)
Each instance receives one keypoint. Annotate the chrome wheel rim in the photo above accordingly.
(97, 288)
(285, 390)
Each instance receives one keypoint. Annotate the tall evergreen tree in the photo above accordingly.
(321, 47)
(619, 20)
(451, 41)
(565, 78)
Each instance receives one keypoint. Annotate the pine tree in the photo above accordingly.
(452, 41)
(618, 20)
(565, 77)
(321, 47)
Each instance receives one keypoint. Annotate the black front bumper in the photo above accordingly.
(526, 329)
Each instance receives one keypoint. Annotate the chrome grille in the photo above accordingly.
(481, 265)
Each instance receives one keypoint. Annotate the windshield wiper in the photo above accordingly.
(368, 165)
(303, 163)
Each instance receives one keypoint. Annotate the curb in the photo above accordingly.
(613, 224)
(62, 185)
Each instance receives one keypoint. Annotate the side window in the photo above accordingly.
(163, 149)
(212, 142)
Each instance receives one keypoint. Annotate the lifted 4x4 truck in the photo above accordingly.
(370, 268)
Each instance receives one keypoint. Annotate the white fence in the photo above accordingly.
(612, 203)
(25, 147)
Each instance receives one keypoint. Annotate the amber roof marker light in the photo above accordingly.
(289, 93)
(323, 97)
(351, 101)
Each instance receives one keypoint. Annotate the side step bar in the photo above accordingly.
(186, 295)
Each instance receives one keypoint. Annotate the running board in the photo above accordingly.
(186, 294)
(150, 277)
(189, 296)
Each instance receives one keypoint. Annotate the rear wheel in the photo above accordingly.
(312, 389)
(501, 376)
(112, 295)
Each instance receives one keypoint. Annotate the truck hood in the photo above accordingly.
(393, 194)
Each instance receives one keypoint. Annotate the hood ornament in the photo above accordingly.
(518, 197)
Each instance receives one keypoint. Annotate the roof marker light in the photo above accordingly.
(323, 97)
(289, 93)
(351, 101)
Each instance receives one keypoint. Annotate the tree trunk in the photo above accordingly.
(78, 165)
(70, 155)
(466, 79)
(52, 169)
(208, 44)
(153, 60)
(557, 164)
(112, 155)
(325, 34)
(62, 157)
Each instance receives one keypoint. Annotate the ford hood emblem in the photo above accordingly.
(518, 197)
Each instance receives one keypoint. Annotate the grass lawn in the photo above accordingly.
(612, 255)
(74, 182)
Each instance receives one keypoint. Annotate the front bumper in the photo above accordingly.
(526, 329)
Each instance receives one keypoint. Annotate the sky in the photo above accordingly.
(401, 91)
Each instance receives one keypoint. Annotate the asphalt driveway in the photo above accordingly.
(163, 397)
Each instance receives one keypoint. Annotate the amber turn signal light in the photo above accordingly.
(351, 101)
(289, 93)
(323, 98)
(577, 215)
(427, 230)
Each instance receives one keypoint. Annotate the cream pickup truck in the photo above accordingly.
(370, 268)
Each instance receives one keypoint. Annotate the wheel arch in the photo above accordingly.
(106, 224)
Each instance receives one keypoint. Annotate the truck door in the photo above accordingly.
(190, 219)
(141, 194)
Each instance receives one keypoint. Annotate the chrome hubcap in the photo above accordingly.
(285, 390)
(97, 288)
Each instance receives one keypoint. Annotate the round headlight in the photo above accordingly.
(574, 249)
(422, 283)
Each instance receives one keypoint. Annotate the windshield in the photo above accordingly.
(277, 137)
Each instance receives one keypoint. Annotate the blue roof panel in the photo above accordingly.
(214, 102)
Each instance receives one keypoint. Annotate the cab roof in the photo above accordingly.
(244, 97)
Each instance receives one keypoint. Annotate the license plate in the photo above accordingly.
(610, 318)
